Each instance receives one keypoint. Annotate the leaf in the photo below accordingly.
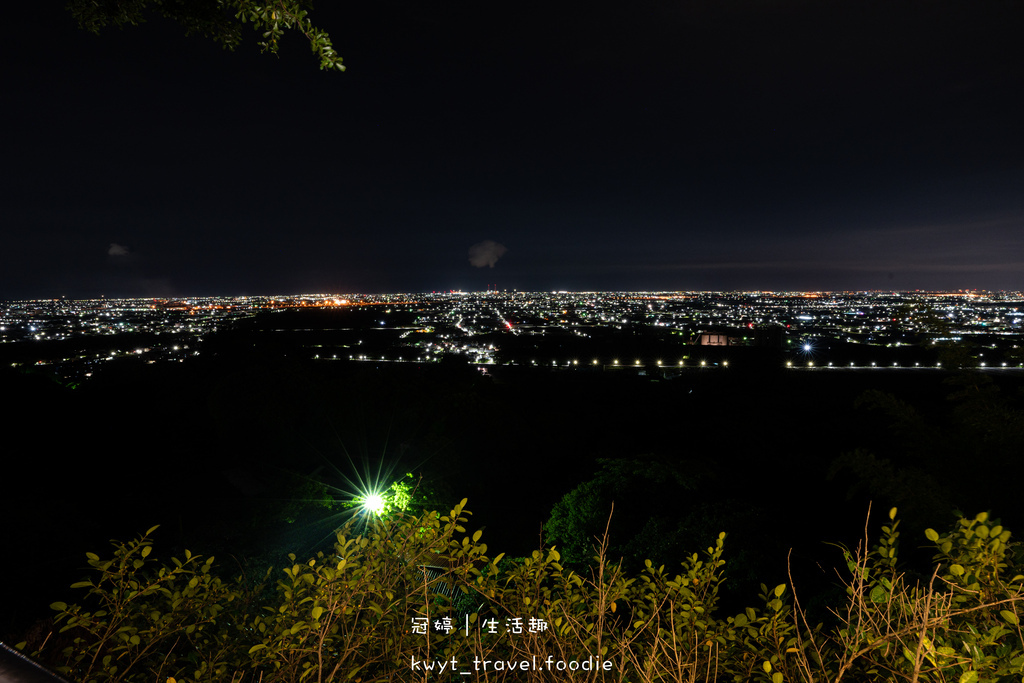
(878, 594)
(1009, 616)
(59, 606)
(777, 676)
(779, 590)
(931, 535)
(256, 648)
(956, 570)
(968, 677)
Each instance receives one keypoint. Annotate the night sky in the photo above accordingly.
(683, 144)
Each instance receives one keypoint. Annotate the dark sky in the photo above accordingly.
(683, 144)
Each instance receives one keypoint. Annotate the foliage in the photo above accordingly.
(349, 615)
(302, 493)
(916, 454)
(961, 624)
(637, 487)
(908, 487)
(400, 497)
(219, 20)
(148, 620)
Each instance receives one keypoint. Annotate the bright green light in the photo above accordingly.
(381, 502)
(374, 502)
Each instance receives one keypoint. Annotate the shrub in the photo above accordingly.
(417, 598)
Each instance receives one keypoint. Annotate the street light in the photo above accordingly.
(372, 503)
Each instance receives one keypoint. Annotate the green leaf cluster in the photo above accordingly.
(219, 20)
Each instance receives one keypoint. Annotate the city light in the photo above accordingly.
(454, 325)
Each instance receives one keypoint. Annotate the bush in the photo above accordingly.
(417, 598)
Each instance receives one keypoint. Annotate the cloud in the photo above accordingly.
(117, 250)
(486, 253)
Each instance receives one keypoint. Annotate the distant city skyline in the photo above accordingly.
(325, 298)
(561, 329)
(724, 147)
